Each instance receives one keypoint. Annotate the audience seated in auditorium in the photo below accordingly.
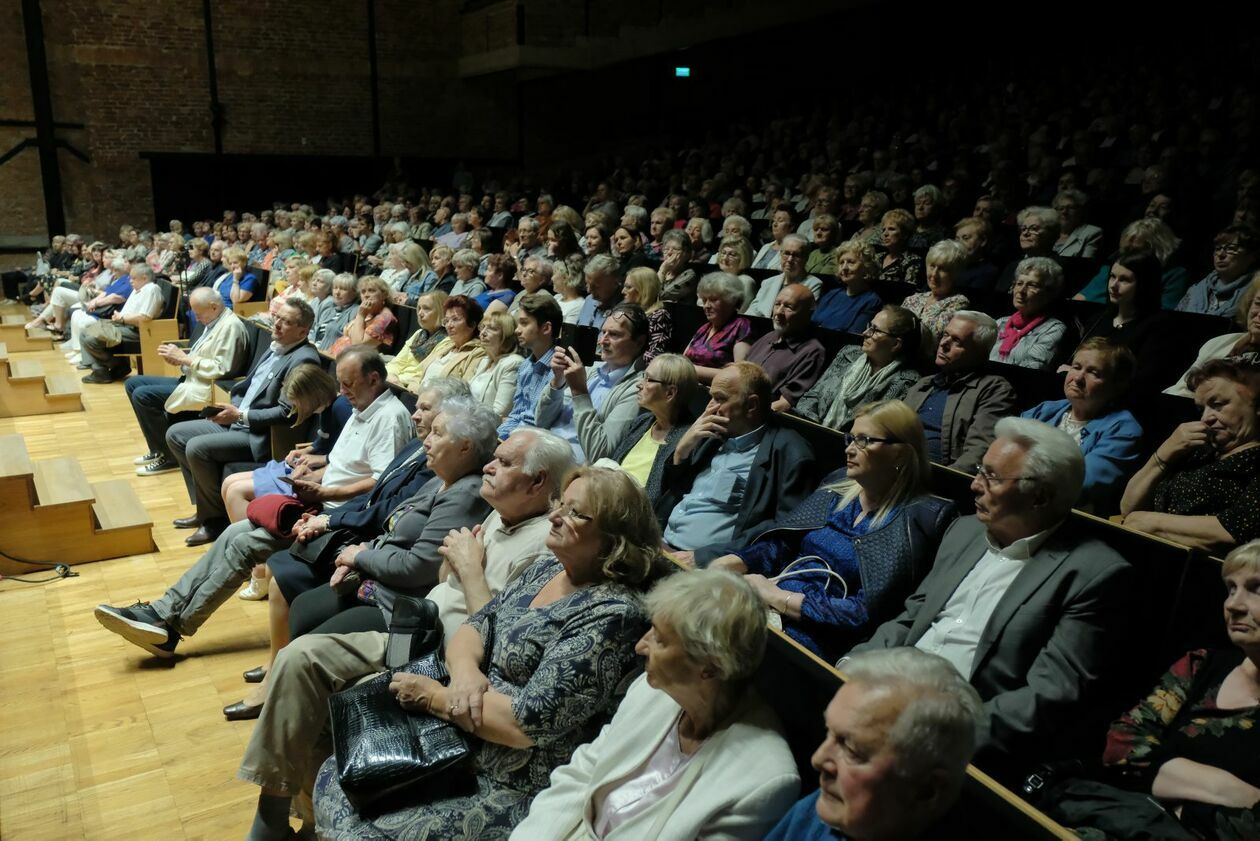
(1022, 607)
(880, 368)
(345, 297)
(666, 394)
(678, 279)
(734, 471)
(790, 354)
(734, 256)
(574, 618)
(782, 224)
(220, 351)
(693, 751)
(642, 286)
(879, 776)
(841, 563)
(592, 407)
(430, 332)
(960, 404)
(724, 335)
(849, 308)
(604, 278)
(1235, 255)
(1076, 237)
(946, 261)
(1154, 237)
(1201, 486)
(1030, 338)
(1096, 389)
(792, 252)
(1230, 345)
(104, 343)
(460, 354)
(496, 383)
(104, 296)
(898, 264)
(373, 324)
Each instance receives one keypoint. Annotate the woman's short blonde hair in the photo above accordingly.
(620, 509)
(718, 617)
(868, 260)
(305, 240)
(412, 255)
(506, 325)
(346, 280)
(680, 372)
(308, 390)
(648, 284)
(901, 218)
(234, 253)
(282, 239)
(1245, 557)
(374, 282)
(1245, 302)
(947, 254)
(466, 258)
(744, 248)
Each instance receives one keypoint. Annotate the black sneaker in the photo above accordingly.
(139, 625)
(162, 465)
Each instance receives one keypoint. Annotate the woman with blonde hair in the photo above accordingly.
(642, 286)
(429, 334)
(297, 284)
(666, 391)
(495, 385)
(899, 263)
(460, 354)
(843, 561)
(374, 323)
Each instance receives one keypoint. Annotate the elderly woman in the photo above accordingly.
(1235, 255)
(1030, 337)
(374, 323)
(1110, 438)
(1186, 755)
(536, 672)
(881, 368)
(700, 232)
(734, 256)
(496, 383)
(345, 298)
(946, 261)
(727, 770)
(406, 263)
(430, 333)
(713, 345)
(237, 285)
(851, 307)
(782, 223)
(666, 391)
(1076, 239)
(1201, 487)
(678, 281)
(467, 283)
(627, 247)
(1038, 232)
(871, 210)
(460, 354)
(929, 207)
(1230, 344)
(843, 561)
(500, 282)
(898, 264)
(1155, 237)
(642, 286)
(569, 281)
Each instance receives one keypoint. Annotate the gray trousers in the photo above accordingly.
(202, 448)
(216, 575)
(291, 739)
(102, 339)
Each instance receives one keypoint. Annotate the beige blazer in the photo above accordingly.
(736, 787)
(222, 353)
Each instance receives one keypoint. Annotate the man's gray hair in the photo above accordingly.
(796, 238)
(547, 452)
(1046, 270)
(204, 296)
(472, 422)
(546, 268)
(986, 330)
(527, 222)
(943, 720)
(640, 215)
(738, 223)
(1052, 459)
(142, 269)
(119, 263)
(603, 264)
(445, 388)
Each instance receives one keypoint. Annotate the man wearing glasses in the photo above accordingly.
(792, 255)
(1025, 609)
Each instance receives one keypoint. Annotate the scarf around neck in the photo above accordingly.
(1016, 327)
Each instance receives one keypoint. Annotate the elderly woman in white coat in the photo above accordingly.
(692, 752)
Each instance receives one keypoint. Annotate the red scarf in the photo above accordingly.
(1016, 327)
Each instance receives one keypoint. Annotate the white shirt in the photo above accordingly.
(763, 303)
(147, 300)
(955, 633)
(368, 442)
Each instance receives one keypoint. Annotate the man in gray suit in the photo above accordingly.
(240, 431)
(1018, 603)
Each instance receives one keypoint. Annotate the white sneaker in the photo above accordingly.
(254, 591)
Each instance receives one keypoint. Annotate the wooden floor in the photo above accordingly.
(98, 740)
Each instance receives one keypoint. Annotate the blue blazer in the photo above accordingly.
(1112, 449)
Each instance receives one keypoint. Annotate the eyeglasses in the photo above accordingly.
(654, 381)
(989, 479)
(795, 255)
(862, 441)
(1030, 229)
(571, 514)
(1227, 250)
(871, 330)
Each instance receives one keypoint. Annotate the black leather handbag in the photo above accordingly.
(381, 748)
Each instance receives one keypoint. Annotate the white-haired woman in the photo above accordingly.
(1030, 337)
(1076, 239)
(1038, 232)
(935, 307)
(693, 751)
(929, 206)
(467, 283)
(714, 342)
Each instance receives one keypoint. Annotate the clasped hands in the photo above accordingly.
(459, 703)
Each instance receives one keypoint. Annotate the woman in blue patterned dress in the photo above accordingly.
(534, 674)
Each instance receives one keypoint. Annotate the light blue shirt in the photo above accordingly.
(259, 379)
(707, 514)
(531, 379)
(592, 314)
(598, 385)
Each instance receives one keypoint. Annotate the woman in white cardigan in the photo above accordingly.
(495, 385)
(692, 752)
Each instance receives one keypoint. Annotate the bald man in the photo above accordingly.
(789, 354)
(220, 351)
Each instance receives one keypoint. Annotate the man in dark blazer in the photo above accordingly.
(1028, 611)
(240, 431)
(734, 471)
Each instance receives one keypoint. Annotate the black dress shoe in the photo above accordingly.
(200, 537)
(187, 522)
(255, 675)
(241, 711)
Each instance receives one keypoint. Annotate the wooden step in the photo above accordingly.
(14, 460)
(61, 481)
(25, 369)
(4, 352)
(118, 507)
(63, 385)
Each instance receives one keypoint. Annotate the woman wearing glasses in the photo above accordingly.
(1030, 338)
(880, 368)
(846, 558)
(1234, 257)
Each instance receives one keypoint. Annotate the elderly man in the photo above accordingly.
(792, 255)
(1026, 609)
(528, 243)
(789, 354)
(734, 471)
(240, 431)
(604, 278)
(877, 779)
(286, 749)
(220, 351)
(378, 428)
(539, 321)
(960, 404)
(104, 340)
